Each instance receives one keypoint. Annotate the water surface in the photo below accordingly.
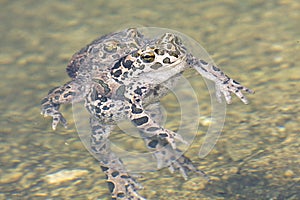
(255, 42)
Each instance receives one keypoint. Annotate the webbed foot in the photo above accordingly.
(231, 86)
(121, 185)
(184, 165)
(50, 109)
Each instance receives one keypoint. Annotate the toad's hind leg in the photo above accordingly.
(121, 185)
(165, 155)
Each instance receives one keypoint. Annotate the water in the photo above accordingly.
(257, 156)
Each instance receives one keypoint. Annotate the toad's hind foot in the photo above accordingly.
(121, 185)
(184, 165)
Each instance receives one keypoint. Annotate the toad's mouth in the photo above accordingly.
(164, 73)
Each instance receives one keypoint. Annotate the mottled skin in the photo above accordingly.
(119, 76)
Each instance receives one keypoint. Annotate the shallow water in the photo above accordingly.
(257, 156)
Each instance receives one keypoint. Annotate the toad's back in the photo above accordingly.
(105, 50)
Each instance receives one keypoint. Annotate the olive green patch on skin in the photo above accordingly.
(159, 52)
(120, 91)
(104, 85)
(156, 65)
(166, 60)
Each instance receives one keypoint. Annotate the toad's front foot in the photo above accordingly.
(229, 86)
(49, 109)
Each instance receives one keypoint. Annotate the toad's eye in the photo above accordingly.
(148, 57)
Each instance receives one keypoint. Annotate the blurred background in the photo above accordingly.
(255, 42)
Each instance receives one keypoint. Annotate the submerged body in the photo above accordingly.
(118, 76)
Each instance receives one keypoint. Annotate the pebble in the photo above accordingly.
(278, 59)
(6, 59)
(233, 170)
(288, 173)
(65, 175)
(40, 194)
(32, 58)
(194, 184)
(277, 47)
(268, 176)
(205, 121)
(10, 177)
(240, 148)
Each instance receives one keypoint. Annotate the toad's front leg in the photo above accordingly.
(224, 84)
(60, 95)
(121, 185)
